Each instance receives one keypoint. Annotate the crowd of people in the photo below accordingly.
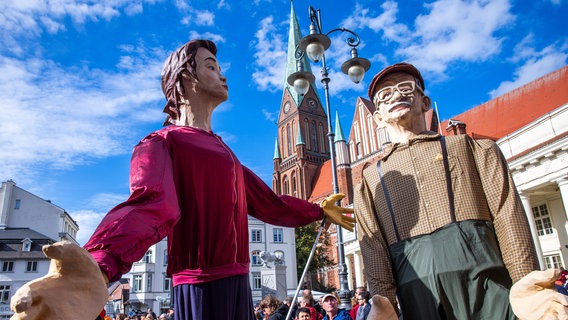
(149, 314)
(309, 308)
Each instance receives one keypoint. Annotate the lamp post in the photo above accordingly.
(314, 45)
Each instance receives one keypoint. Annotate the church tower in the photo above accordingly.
(302, 127)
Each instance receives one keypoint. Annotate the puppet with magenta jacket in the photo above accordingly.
(188, 185)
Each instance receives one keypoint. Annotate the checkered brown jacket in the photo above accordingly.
(416, 181)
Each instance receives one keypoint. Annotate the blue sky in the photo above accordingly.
(80, 80)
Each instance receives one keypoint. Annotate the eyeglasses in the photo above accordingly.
(405, 88)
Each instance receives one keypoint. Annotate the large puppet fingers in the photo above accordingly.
(535, 297)
(74, 287)
(336, 214)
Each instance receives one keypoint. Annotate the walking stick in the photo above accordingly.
(294, 300)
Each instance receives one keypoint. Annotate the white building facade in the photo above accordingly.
(538, 156)
(27, 222)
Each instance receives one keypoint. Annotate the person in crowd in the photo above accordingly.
(353, 311)
(440, 222)
(188, 185)
(330, 304)
(307, 302)
(170, 314)
(316, 304)
(150, 311)
(303, 314)
(120, 316)
(364, 305)
(269, 306)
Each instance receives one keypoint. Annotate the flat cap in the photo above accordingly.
(397, 67)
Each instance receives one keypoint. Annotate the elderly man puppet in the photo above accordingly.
(441, 225)
(188, 185)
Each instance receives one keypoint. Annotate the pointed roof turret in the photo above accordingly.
(294, 37)
(276, 150)
(338, 130)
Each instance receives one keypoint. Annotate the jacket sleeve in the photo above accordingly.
(374, 248)
(129, 229)
(509, 218)
(267, 206)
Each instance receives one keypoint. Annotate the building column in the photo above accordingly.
(358, 270)
(350, 283)
(525, 199)
(563, 186)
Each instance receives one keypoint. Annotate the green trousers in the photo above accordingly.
(454, 273)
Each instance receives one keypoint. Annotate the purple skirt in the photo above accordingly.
(223, 299)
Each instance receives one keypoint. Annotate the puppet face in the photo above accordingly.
(209, 80)
(399, 97)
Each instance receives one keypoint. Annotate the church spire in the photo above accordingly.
(338, 130)
(294, 37)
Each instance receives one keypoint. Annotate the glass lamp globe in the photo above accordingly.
(315, 51)
(356, 73)
(301, 86)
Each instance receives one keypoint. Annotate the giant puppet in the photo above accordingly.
(441, 225)
(188, 185)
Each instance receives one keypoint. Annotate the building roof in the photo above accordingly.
(517, 108)
(323, 182)
(11, 243)
(18, 234)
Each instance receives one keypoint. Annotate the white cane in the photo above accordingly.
(306, 268)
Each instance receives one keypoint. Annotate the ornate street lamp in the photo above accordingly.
(314, 45)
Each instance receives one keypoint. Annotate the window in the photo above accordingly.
(147, 257)
(8, 266)
(278, 235)
(26, 245)
(167, 284)
(256, 235)
(553, 261)
(4, 294)
(256, 281)
(149, 283)
(17, 204)
(289, 139)
(314, 136)
(542, 220)
(165, 257)
(256, 258)
(137, 283)
(32, 266)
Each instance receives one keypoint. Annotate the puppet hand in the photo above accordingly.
(336, 213)
(73, 288)
(534, 297)
(381, 309)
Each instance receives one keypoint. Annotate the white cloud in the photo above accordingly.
(204, 18)
(57, 118)
(217, 38)
(385, 22)
(270, 116)
(534, 64)
(88, 221)
(457, 31)
(223, 5)
(270, 57)
(23, 20)
(450, 31)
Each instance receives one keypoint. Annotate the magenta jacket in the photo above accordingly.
(188, 185)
